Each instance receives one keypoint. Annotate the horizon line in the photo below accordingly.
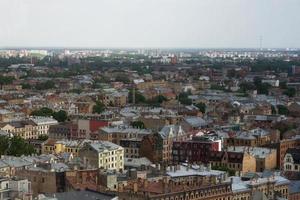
(147, 48)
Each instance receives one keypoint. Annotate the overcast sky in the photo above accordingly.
(150, 23)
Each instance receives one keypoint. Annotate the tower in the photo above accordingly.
(133, 95)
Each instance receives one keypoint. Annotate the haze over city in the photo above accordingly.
(149, 99)
(150, 23)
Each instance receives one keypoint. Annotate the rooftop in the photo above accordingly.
(101, 146)
(82, 195)
(259, 152)
(195, 121)
(192, 170)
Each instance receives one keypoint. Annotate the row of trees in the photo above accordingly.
(60, 116)
(262, 88)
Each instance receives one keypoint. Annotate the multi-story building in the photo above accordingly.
(168, 189)
(117, 133)
(200, 183)
(43, 124)
(30, 128)
(103, 154)
(283, 146)
(86, 127)
(26, 129)
(52, 146)
(15, 188)
(6, 115)
(294, 190)
(266, 158)
(131, 147)
(196, 150)
(158, 121)
(66, 130)
(158, 147)
(254, 138)
(115, 98)
(239, 162)
(45, 178)
(271, 187)
(193, 123)
(292, 160)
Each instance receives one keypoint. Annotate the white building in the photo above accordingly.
(292, 160)
(43, 124)
(103, 154)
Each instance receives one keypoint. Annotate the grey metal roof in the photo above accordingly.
(82, 195)
(195, 121)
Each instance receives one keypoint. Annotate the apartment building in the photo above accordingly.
(292, 160)
(102, 154)
(116, 133)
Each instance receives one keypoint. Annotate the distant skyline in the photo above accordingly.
(150, 23)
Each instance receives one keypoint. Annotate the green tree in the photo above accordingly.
(273, 110)
(45, 85)
(60, 116)
(26, 86)
(282, 85)
(5, 80)
(201, 106)
(216, 87)
(183, 98)
(15, 146)
(4, 144)
(263, 88)
(246, 86)
(156, 101)
(43, 137)
(123, 78)
(282, 110)
(76, 90)
(290, 92)
(284, 126)
(257, 81)
(45, 112)
(224, 168)
(139, 98)
(99, 107)
(138, 124)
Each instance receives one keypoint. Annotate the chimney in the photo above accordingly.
(165, 184)
(209, 166)
(120, 188)
(135, 187)
(145, 183)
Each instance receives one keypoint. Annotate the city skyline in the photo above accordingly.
(150, 24)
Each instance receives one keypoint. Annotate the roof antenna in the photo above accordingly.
(260, 42)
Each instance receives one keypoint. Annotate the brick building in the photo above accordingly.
(196, 150)
(158, 147)
(240, 162)
(66, 130)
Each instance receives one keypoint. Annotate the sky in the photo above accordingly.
(150, 23)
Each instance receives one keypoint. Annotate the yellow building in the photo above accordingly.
(26, 129)
(52, 146)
